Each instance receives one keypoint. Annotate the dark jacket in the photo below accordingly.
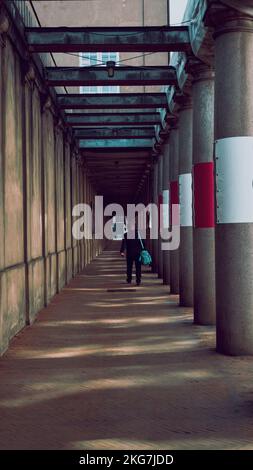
(132, 245)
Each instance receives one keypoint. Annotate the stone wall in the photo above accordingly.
(41, 178)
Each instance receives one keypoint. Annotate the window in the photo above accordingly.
(118, 227)
(88, 59)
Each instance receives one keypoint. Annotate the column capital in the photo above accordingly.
(157, 147)
(199, 70)
(229, 16)
(46, 101)
(58, 124)
(74, 151)
(174, 122)
(171, 120)
(154, 160)
(29, 74)
(67, 135)
(184, 101)
(4, 26)
(80, 161)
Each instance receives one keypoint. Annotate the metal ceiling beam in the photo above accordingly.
(118, 153)
(123, 144)
(115, 133)
(98, 76)
(119, 156)
(100, 173)
(126, 39)
(112, 101)
(117, 119)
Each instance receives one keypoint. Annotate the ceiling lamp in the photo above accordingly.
(110, 64)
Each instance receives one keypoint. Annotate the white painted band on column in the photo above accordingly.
(185, 199)
(166, 208)
(234, 180)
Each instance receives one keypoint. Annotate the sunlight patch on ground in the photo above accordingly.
(73, 385)
(125, 444)
(125, 304)
(184, 442)
(78, 289)
(129, 321)
(129, 349)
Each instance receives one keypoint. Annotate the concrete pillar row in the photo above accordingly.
(185, 199)
(234, 175)
(166, 197)
(203, 195)
(174, 199)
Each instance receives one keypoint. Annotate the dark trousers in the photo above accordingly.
(130, 261)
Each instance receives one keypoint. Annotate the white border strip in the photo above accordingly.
(185, 199)
(166, 208)
(234, 180)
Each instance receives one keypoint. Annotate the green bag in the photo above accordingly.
(145, 257)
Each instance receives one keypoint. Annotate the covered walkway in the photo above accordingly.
(102, 108)
(110, 366)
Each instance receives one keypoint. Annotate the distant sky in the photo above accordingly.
(177, 9)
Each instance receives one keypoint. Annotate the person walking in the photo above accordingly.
(133, 245)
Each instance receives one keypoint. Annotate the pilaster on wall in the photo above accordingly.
(12, 267)
(68, 207)
(81, 200)
(85, 199)
(60, 205)
(74, 188)
(3, 339)
(50, 203)
(32, 194)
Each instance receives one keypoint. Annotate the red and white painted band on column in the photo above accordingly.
(234, 180)
(174, 200)
(185, 199)
(174, 193)
(166, 208)
(203, 184)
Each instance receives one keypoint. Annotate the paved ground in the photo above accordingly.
(127, 370)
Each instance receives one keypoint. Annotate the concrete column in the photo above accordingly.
(203, 190)
(166, 184)
(160, 200)
(146, 199)
(234, 207)
(185, 193)
(155, 201)
(174, 199)
(90, 240)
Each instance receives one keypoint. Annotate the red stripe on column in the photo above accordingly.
(174, 199)
(203, 183)
(174, 193)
